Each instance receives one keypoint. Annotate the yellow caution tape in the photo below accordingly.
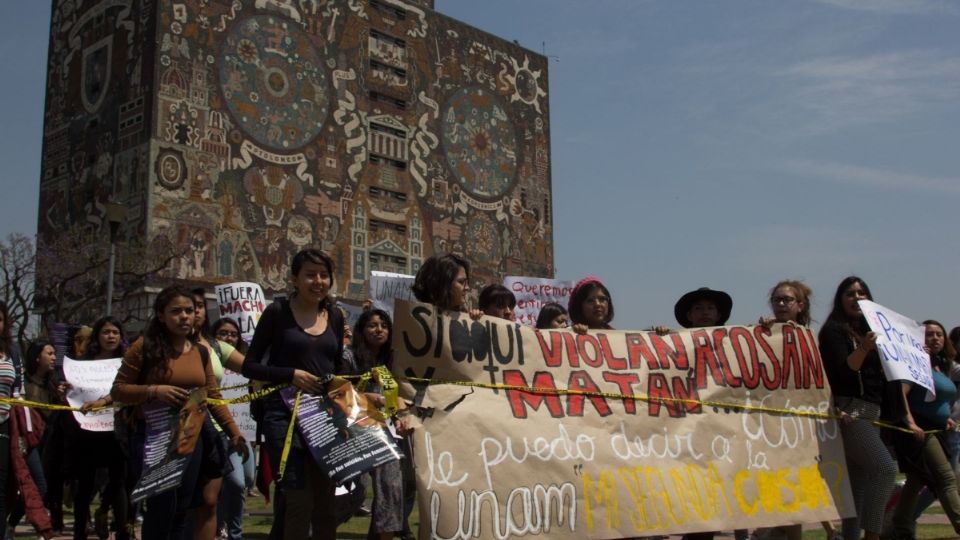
(288, 440)
(389, 388)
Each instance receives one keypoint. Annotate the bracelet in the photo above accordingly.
(152, 392)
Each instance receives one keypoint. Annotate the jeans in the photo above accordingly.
(233, 495)
(944, 484)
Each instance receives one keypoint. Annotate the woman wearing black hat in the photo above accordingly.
(703, 307)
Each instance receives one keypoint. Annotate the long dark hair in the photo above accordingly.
(362, 353)
(549, 312)
(580, 293)
(434, 281)
(223, 321)
(6, 337)
(157, 346)
(948, 354)
(94, 348)
(316, 256)
(205, 332)
(31, 361)
(853, 328)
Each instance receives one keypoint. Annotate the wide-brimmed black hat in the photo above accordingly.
(721, 299)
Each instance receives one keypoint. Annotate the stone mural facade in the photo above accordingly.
(243, 131)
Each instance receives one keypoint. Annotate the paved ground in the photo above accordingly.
(26, 531)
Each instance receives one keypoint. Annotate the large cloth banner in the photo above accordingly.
(696, 454)
(900, 342)
(387, 287)
(244, 303)
(90, 380)
(532, 293)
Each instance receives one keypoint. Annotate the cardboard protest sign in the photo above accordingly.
(171, 436)
(90, 380)
(900, 342)
(239, 411)
(343, 435)
(532, 293)
(386, 287)
(243, 302)
(352, 308)
(498, 461)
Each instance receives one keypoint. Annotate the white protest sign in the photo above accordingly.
(900, 342)
(239, 411)
(532, 293)
(90, 380)
(386, 287)
(243, 302)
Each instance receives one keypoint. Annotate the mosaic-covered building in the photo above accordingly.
(242, 131)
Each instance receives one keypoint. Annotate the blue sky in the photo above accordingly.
(697, 143)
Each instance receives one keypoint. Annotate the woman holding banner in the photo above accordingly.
(790, 303)
(304, 340)
(552, 316)
(163, 366)
(444, 281)
(852, 365)
(590, 306)
(924, 458)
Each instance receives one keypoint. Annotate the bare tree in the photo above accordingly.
(17, 277)
(71, 281)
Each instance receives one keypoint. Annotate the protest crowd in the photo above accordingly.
(193, 484)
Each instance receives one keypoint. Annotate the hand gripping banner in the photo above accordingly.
(616, 434)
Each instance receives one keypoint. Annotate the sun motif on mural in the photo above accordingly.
(273, 82)
(480, 143)
(482, 235)
(526, 83)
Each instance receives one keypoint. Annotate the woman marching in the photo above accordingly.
(163, 366)
(852, 365)
(99, 449)
(371, 348)
(9, 382)
(224, 497)
(923, 456)
(304, 340)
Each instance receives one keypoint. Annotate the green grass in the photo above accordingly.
(256, 525)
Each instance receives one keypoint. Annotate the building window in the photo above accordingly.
(380, 36)
(391, 12)
(381, 193)
(380, 160)
(389, 74)
(378, 97)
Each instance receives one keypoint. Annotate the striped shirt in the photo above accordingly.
(7, 375)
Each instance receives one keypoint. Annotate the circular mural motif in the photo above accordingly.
(480, 143)
(482, 234)
(171, 169)
(526, 85)
(274, 82)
